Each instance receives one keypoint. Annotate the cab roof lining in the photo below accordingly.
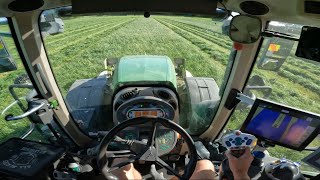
(203, 7)
(291, 11)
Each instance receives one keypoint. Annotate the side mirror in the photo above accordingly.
(245, 29)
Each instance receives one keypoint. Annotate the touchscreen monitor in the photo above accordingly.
(281, 125)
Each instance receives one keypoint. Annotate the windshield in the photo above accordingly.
(95, 57)
(278, 75)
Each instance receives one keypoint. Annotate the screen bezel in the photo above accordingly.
(277, 107)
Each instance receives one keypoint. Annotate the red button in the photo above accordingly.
(238, 133)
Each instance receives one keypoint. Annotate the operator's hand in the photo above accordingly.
(240, 166)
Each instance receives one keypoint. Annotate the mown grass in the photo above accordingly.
(78, 53)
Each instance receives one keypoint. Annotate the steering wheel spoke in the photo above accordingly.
(168, 168)
(149, 151)
(121, 164)
(151, 140)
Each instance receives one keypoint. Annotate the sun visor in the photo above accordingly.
(201, 7)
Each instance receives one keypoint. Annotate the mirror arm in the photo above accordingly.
(245, 99)
(270, 34)
(311, 148)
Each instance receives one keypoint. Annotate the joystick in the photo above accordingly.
(237, 141)
(282, 169)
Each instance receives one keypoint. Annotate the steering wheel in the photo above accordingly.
(149, 152)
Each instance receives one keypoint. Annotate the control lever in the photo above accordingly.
(135, 145)
(155, 174)
(34, 109)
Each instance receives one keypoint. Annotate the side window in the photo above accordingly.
(15, 88)
(284, 78)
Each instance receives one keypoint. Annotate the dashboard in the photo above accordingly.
(133, 102)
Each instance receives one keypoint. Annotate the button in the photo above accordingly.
(258, 154)
(230, 139)
(238, 133)
(238, 141)
(228, 143)
(245, 138)
(249, 142)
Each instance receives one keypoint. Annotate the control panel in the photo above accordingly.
(133, 102)
(239, 140)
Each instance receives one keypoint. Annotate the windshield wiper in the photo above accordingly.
(311, 148)
(269, 33)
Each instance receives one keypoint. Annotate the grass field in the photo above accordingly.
(78, 53)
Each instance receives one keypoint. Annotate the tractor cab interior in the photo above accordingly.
(88, 87)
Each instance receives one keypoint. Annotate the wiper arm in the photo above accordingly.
(268, 33)
(311, 148)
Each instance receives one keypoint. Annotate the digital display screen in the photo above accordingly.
(145, 113)
(281, 125)
(309, 43)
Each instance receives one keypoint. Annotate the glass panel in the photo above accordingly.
(149, 48)
(283, 78)
(9, 105)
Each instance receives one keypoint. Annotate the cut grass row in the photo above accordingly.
(93, 33)
(297, 75)
(202, 22)
(304, 65)
(291, 73)
(218, 53)
(80, 49)
(293, 76)
(205, 35)
(306, 74)
(208, 35)
(75, 23)
(82, 30)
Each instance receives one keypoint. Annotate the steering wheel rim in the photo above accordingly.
(102, 158)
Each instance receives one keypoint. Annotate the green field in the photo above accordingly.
(79, 52)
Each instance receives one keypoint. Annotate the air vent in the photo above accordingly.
(254, 8)
(163, 94)
(117, 105)
(25, 5)
(173, 104)
(129, 94)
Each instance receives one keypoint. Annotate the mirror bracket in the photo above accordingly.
(245, 99)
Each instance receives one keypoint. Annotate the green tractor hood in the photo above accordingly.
(144, 70)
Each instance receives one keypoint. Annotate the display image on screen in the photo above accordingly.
(281, 125)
